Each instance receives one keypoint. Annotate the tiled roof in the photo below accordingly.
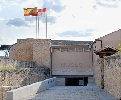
(67, 42)
(107, 48)
(106, 51)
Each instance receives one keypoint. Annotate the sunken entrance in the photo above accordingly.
(76, 81)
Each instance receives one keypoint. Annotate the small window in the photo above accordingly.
(87, 49)
(79, 49)
(56, 49)
(71, 49)
(64, 49)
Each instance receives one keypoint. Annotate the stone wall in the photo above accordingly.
(37, 50)
(10, 79)
(17, 63)
(112, 75)
(24, 49)
(109, 77)
(41, 53)
(22, 77)
(97, 73)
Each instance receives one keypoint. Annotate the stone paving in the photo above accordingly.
(90, 92)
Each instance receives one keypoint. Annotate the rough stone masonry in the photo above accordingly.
(112, 74)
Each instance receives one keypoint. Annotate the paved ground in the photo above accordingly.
(90, 92)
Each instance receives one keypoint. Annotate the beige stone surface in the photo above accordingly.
(37, 50)
(97, 72)
(112, 74)
(11, 79)
(41, 53)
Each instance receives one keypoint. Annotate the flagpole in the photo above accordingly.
(38, 26)
(46, 25)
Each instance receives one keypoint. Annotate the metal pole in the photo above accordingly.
(46, 25)
(38, 26)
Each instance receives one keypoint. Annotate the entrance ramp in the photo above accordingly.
(90, 92)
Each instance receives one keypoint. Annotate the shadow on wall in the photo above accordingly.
(35, 75)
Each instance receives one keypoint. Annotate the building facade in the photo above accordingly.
(67, 60)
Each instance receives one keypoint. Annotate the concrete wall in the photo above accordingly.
(30, 90)
(72, 63)
(60, 81)
(4, 89)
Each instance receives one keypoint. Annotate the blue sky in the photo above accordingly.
(83, 20)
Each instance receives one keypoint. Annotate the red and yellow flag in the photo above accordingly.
(34, 11)
(30, 11)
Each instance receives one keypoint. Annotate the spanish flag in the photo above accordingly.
(30, 11)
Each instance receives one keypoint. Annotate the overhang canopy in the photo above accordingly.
(106, 51)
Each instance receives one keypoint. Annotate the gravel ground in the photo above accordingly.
(90, 92)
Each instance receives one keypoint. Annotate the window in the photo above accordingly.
(56, 49)
(64, 49)
(71, 49)
(87, 49)
(79, 49)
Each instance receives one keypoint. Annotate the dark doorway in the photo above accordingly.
(76, 81)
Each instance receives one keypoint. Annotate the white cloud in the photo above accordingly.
(66, 16)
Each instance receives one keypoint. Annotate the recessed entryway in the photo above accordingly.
(76, 81)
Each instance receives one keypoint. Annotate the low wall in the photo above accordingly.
(29, 90)
(4, 89)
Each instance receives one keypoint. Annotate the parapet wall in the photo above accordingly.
(30, 90)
